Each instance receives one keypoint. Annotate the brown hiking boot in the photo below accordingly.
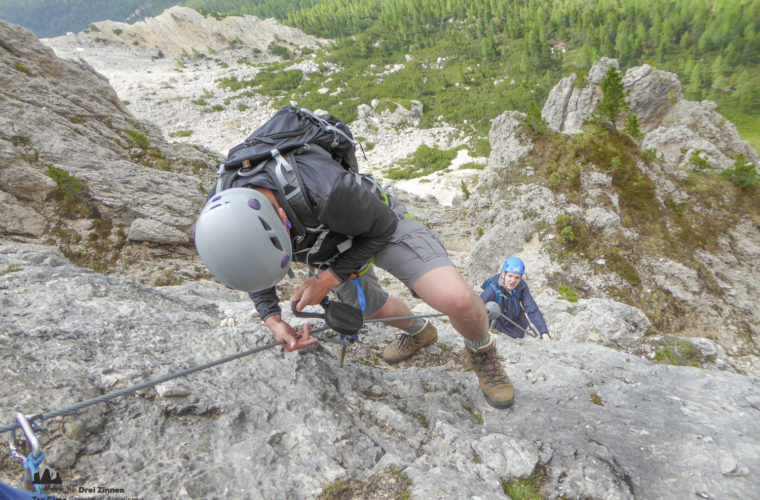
(407, 344)
(494, 382)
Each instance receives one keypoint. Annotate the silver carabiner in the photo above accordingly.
(31, 439)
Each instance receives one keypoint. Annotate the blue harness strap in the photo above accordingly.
(33, 466)
(356, 279)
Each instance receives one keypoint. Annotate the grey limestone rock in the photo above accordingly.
(571, 102)
(16, 218)
(597, 422)
(61, 114)
(674, 127)
(155, 231)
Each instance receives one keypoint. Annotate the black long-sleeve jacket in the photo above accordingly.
(346, 207)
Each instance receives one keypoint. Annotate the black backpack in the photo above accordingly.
(273, 145)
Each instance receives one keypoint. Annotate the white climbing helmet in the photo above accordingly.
(242, 240)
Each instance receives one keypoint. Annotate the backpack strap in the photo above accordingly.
(293, 195)
(491, 283)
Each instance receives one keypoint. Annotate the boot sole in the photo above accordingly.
(500, 404)
(395, 361)
(399, 360)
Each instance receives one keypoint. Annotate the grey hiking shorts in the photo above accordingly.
(413, 251)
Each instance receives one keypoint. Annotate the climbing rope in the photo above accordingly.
(32, 461)
(399, 318)
(150, 383)
(129, 390)
(532, 332)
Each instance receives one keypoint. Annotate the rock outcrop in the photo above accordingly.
(78, 169)
(590, 421)
(673, 126)
(703, 291)
(182, 30)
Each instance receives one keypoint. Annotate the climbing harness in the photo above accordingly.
(348, 320)
(340, 317)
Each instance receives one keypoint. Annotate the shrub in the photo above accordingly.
(536, 122)
(554, 180)
(276, 82)
(279, 50)
(422, 162)
(465, 190)
(743, 173)
(649, 154)
(525, 489)
(233, 84)
(698, 163)
(68, 187)
(567, 234)
(677, 206)
(207, 13)
(472, 166)
(620, 264)
(138, 138)
(181, 133)
(632, 127)
(567, 293)
(676, 351)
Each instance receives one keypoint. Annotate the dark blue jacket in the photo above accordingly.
(514, 305)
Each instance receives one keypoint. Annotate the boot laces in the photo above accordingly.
(487, 364)
(404, 341)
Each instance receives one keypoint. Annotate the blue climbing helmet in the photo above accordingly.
(513, 265)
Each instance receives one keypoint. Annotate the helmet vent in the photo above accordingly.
(276, 243)
(264, 223)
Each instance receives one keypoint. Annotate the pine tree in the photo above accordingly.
(632, 127)
(613, 102)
